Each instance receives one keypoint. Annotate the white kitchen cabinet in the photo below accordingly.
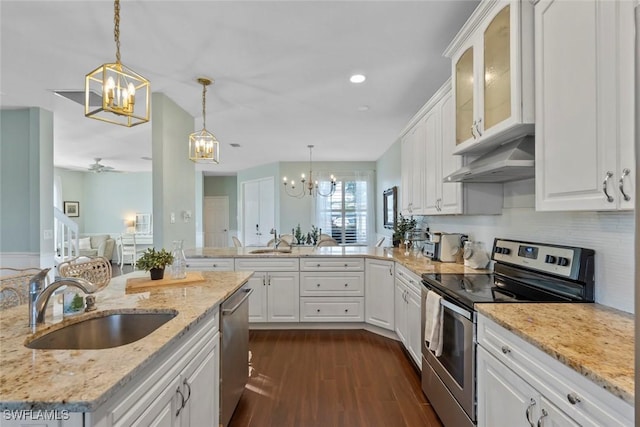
(412, 152)
(210, 264)
(515, 377)
(407, 312)
(447, 198)
(276, 288)
(379, 309)
(332, 289)
(492, 75)
(584, 105)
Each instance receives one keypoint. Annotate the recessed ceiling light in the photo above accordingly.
(363, 108)
(235, 145)
(357, 78)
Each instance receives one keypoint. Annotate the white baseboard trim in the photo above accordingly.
(325, 326)
(20, 259)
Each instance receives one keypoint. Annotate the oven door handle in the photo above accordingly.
(455, 308)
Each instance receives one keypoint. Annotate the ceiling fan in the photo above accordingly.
(97, 167)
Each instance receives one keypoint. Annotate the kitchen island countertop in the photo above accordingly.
(81, 380)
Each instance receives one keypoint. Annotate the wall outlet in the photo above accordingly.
(172, 218)
(48, 234)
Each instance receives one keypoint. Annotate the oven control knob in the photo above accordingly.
(498, 250)
(550, 259)
(563, 261)
(506, 251)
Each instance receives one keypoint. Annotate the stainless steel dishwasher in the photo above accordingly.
(234, 358)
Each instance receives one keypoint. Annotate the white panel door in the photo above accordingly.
(267, 209)
(400, 312)
(431, 161)
(379, 282)
(414, 318)
(258, 211)
(451, 196)
(216, 222)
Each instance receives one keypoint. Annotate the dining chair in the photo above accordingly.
(328, 242)
(237, 243)
(14, 285)
(128, 251)
(97, 269)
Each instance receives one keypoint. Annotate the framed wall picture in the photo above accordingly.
(390, 207)
(72, 209)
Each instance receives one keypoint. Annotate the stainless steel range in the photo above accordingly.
(523, 272)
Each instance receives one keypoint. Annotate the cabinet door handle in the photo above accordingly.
(473, 130)
(573, 398)
(477, 129)
(181, 401)
(318, 265)
(391, 270)
(532, 403)
(505, 349)
(264, 280)
(186, 384)
(268, 280)
(544, 414)
(604, 186)
(625, 172)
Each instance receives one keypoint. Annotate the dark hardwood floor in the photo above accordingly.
(346, 378)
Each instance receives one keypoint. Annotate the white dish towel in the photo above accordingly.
(433, 323)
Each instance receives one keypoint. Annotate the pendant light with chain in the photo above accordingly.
(125, 94)
(203, 146)
(311, 187)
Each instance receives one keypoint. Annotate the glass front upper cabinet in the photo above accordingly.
(464, 97)
(497, 69)
(492, 74)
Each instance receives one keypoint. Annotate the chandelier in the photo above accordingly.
(125, 93)
(308, 187)
(203, 146)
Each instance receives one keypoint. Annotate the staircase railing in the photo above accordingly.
(66, 235)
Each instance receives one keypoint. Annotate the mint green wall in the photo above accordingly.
(26, 181)
(388, 175)
(106, 199)
(73, 191)
(173, 173)
(224, 186)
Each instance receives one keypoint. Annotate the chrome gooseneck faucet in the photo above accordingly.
(276, 241)
(39, 296)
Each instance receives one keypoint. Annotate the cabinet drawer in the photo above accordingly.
(332, 309)
(411, 280)
(332, 284)
(267, 264)
(210, 264)
(553, 379)
(337, 264)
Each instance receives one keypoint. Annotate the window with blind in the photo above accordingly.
(347, 215)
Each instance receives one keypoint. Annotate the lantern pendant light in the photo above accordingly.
(203, 145)
(125, 94)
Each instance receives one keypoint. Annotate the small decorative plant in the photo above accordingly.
(403, 224)
(299, 237)
(154, 260)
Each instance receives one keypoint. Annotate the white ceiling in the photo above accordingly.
(281, 71)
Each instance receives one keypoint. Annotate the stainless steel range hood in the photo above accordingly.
(512, 161)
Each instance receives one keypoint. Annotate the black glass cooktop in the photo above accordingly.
(471, 289)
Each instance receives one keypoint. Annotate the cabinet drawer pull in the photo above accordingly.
(318, 285)
(505, 349)
(573, 398)
(346, 265)
(625, 172)
(604, 186)
(318, 310)
(346, 310)
(346, 284)
(318, 266)
(532, 403)
(215, 265)
(544, 414)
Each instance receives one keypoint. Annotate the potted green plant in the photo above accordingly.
(154, 262)
(402, 225)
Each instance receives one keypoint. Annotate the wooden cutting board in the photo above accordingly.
(141, 283)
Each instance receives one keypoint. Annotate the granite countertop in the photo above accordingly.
(81, 380)
(594, 340)
(417, 264)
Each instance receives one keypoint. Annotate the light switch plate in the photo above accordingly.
(173, 218)
(48, 234)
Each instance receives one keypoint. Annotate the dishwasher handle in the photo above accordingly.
(228, 311)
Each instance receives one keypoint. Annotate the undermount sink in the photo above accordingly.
(108, 331)
(270, 251)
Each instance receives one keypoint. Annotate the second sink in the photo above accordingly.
(108, 331)
(270, 251)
